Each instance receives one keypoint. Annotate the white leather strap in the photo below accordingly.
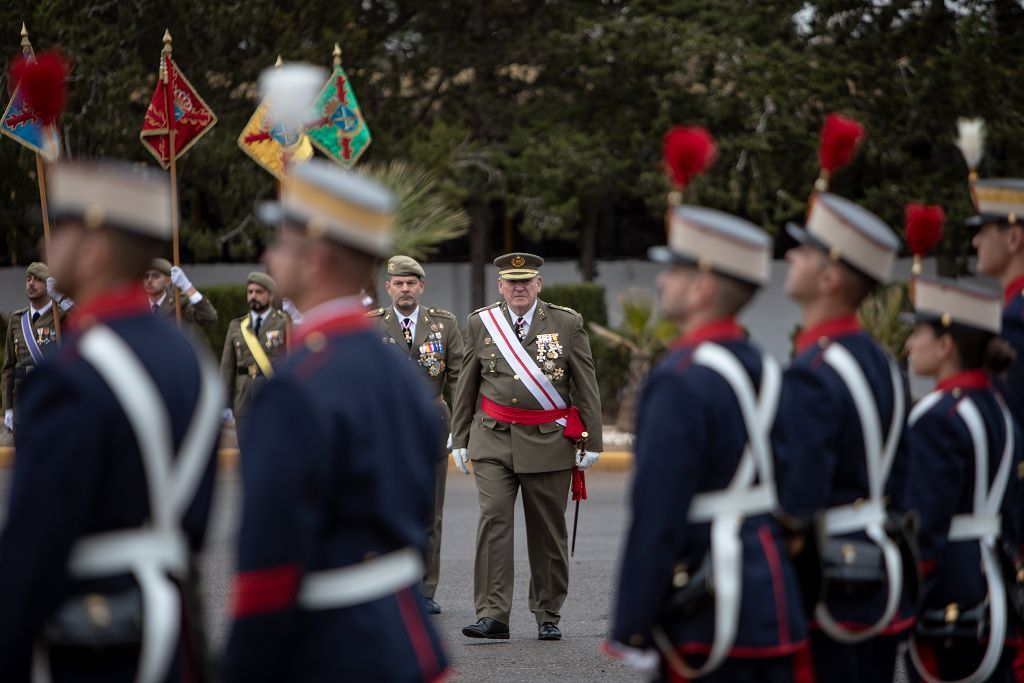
(869, 517)
(726, 508)
(361, 583)
(116, 552)
(974, 527)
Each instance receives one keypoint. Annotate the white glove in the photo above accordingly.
(644, 661)
(9, 420)
(228, 415)
(585, 460)
(461, 458)
(289, 307)
(179, 280)
(448, 445)
(51, 290)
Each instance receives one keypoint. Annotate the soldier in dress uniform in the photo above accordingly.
(114, 472)
(195, 308)
(31, 336)
(429, 337)
(253, 346)
(704, 488)
(527, 383)
(839, 440)
(964, 448)
(335, 495)
(1000, 245)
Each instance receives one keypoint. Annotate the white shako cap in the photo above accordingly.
(1000, 201)
(956, 302)
(849, 233)
(716, 241)
(111, 194)
(345, 206)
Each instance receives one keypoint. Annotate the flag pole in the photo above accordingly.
(165, 76)
(26, 47)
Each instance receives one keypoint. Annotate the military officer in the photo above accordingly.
(1000, 245)
(526, 392)
(704, 487)
(335, 493)
(254, 344)
(430, 338)
(964, 448)
(114, 472)
(195, 308)
(839, 439)
(31, 335)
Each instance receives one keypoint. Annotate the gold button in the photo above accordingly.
(515, 401)
(514, 422)
(492, 355)
(952, 612)
(515, 376)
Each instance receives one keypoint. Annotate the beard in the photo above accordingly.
(257, 307)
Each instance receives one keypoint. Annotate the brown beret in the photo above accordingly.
(161, 265)
(260, 278)
(38, 269)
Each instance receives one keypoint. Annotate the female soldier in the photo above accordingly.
(964, 448)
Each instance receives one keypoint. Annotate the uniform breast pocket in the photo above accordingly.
(488, 422)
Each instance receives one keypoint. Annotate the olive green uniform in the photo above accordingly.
(202, 313)
(535, 458)
(238, 367)
(17, 359)
(437, 350)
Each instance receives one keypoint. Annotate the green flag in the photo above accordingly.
(340, 131)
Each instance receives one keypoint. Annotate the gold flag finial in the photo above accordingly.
(24, 38)
(279, 61)
(167, 41)
(337, 55)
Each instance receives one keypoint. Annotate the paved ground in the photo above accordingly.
(523, 658)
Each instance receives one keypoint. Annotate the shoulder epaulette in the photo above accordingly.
(20, 311)
(563, 308)
(496, 303)
(376, 313)
(441, 312)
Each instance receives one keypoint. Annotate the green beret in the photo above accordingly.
(518, 266)
(262, 279)
(38, 269)
(403, 265)
(161, 265)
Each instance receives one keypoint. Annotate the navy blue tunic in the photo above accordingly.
(338, 465)
(78, 472)
(690, 438)
(1013, 332)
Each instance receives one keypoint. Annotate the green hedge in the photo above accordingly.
(229, 300)
(611, 363)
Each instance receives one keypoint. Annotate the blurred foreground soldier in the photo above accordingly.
(962, 480)
(704, 488)
(253, 346)
(335, 494)
(31, 336)
(529, 369)
(430, 337)
(1000, 245)
(158, 279)
(114, 470)
(839, 443)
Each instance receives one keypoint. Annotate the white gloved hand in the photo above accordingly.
(448, 444)
(585, 460)
(461, 458)
(51, 290)
(644, 661)
(289, 307)
(9, 420)
(179, 279)
(228, 415)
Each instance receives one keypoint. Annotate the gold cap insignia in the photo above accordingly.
(518, 261)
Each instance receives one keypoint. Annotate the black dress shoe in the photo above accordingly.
(432, 607)
(486, 628)
(548, 631)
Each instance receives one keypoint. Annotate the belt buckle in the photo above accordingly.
(254, 370)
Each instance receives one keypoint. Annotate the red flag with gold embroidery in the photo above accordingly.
(176, 100)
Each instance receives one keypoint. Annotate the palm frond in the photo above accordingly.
(880, 315)
(424, 219)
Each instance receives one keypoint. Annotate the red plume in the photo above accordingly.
(839, 138)
(923, 227)
(43, 82)
(687, 151)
